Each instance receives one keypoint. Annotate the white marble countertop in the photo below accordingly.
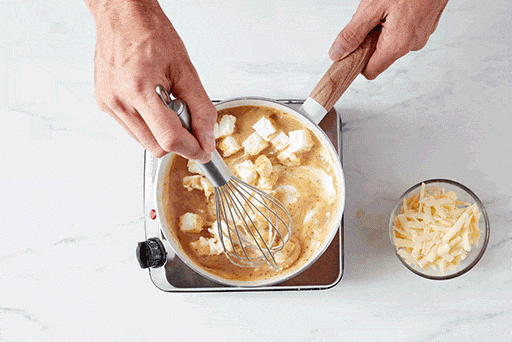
(71, 178)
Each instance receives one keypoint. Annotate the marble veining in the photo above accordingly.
(71, 178)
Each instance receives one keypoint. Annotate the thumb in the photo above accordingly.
(354, 33)
(202, 111)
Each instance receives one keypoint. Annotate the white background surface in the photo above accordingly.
(71, 178)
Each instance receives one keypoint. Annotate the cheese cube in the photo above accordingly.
(207, 187)
(193, 167)
(214, 231)
(300, 141)
(229, 241)
(191, 223)
(254, 144)
(216, 247)
(265, 128)
(280, 141)
(201, 246)
(247, 172)
(288, 158)
(226, 125)
(267, 183)
(192, 182)
(287, 194)
(207, 246)
(198, 182)
(263, 166)
(229, 146)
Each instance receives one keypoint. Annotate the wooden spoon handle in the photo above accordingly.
(341, 73)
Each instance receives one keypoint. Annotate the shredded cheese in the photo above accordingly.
(434, 230)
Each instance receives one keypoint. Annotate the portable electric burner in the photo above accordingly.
(169, 273)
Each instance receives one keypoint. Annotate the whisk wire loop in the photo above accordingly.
(243, 211)
(224, 213)
(233, 201)
(235, 196)
(265, 197)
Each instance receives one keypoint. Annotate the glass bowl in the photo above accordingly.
(432, 265)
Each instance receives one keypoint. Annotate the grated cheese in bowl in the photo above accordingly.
(436, 229)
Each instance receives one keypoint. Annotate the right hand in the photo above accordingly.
(137, 49)
(406, 26)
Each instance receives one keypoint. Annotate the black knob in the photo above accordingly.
(151, 253)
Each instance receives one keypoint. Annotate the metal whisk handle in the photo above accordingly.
(216, 170)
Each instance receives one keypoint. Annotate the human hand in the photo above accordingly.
(137, 49)
(406, 26)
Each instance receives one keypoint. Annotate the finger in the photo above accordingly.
(168, 130)
(425, 34)
(125, 126)
(203, 113)
(390, 47)
(204, 116)
(135, 125)
(352, 35)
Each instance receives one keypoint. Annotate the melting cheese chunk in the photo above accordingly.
(265, 128)
(193, 167)
(300, 141)
(229, 146)
(247, 172)
(198, 182)
(280, 141)
(254, 144)
(191, 223)
(225, 127)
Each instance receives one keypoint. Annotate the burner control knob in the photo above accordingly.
(151, 253)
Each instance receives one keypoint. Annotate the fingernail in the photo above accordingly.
(336, 53)
(205, 158)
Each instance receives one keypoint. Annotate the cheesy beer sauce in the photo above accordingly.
(308, 190)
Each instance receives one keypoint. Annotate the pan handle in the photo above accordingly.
(339, 77)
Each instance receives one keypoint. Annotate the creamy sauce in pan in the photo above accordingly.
(308, 190)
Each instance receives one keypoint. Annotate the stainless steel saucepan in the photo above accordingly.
(321, 100)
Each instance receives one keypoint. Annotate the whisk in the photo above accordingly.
(251, 224)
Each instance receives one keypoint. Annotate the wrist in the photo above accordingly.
(115, 10)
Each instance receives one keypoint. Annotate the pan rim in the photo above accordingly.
(162, 170)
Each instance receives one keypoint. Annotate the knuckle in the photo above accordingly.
(158, 152)
(396, 49)
(169, 142)
(107, 101)
(174, 144)
(349, 36)
(102, 105)
(107, 104)
(418, 44)
(197, 155)
(415, 40)
(132, 86)
(152, 146)
(116, 105)
(207, 113)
